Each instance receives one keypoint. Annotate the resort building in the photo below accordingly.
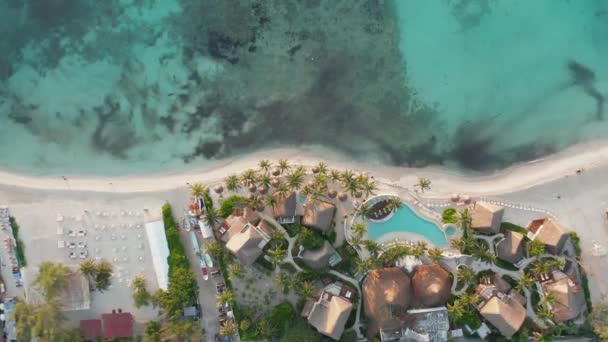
(320, 258)
(245, 240)
(432, 286)
(90, 330)
(501, 306)
(510, 248)
(75, 295)
(570, 299)
(386, 298)
(318, 215)
(285, 209)
(429, 325)
(329, 309)
(549, 232)
(117, 325)
(486, 217)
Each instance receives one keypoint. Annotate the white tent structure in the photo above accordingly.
(205, 229)
(160, 252)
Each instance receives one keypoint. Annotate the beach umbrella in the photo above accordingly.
(252, 188)
(264, 189)
(358, 194)
(276, 171)
(455, 197)
(315, 170)
(342, 196)
(466, 199)
(218, 189)
(251, 196)
(311, 183)
(275, 182)
(332, 193)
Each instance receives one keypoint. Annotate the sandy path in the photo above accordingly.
(516, 178)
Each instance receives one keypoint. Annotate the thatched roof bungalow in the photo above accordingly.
(486, 217)
(510, 248)
(549, 232)
(432, 286)
(318, 215)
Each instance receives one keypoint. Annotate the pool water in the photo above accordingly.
(302, 198)
(450, 230)
(407, 220)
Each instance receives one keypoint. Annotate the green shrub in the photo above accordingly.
(265, 264)
(349, 259)
(449, 216)
(576, 241)
(19, 246)
(228, 205)
(330, 236)
(513, 227)
(208, 200)
(310, 239)
(293, 229)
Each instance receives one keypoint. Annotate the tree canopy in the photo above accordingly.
(51, 278)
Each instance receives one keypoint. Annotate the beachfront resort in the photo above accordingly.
(294, 253)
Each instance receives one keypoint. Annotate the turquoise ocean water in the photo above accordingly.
(125, 86)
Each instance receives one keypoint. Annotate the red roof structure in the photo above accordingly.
(118, 325)
(90, 329)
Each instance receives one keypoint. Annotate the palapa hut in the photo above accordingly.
(285, 208)
(432, 286)
(486, 217)
(549, 232)
(218, 189)
(510, 248)
(385, 291)
(329, 315)
(342, 196)
(247, 243)
(332, 193)
(318, 215)
(570, 299)
(322, 257)
(506, 314)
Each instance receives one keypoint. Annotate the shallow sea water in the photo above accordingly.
(124, 86)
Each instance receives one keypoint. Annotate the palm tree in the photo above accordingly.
(540, 267)
(369, 186)
(138, 282)
(282, 279)
(212, 217)
(372, 246)
(306, 288)
(277, 255)
(465, 274)
(321, 168)
(346, 176)
(271, 201)
(52, 277)
(394, 203)
(356, 241)
(363, 210)
(236, 270)
(536, 248)
(255, 202)
(198, 190)
(300, 169)
(283, 165)
(548, 299)
(435, 254)
(335, 175)
(282, 191)
(295, 180)
(265, 165)
(352, 186)
(464, 218)
(228, 328)
(524, 282)
(225, 297)
(232, 183)
(419, 249)
(265, 180)
(88, 267)
(557, 262)
(215, 248)
(365, 264)
(544, 312)
(276, 235)
(103, 278)
(249, 177)
(423, 184)
(359, 228)
(320, 180)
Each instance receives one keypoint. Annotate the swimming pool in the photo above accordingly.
(405, 219)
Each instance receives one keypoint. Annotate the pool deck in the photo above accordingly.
(404, 236)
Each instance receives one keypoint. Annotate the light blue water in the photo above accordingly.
(406, 219)
(123, 86)
(302, 198)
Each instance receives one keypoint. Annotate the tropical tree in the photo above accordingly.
(265, 180)
(185, 330)
(215, 248)
(88, 267)
(524, 282)
(103, 276)
(320, 180)
(141, 296)
(355, 241)
(198, 190)
(43, 322)
(557, 262)
(599, 320)
(277, 255)
(51, 278)
(394, 253)
(152, 332)
(212, 217)
(359, 228)
(465, 274)
(363, 265)
(226, 297)
(419, 249)
(277, 235)
(536, 248)
(540, 267)
(282, 191)
(372, 247)
(23, 315)
(394, 203)
(265, 165)
(271, 201)
(321, 168)
(237, 271)
(369, 186)
(283, 165)
(249, 177)
(232, 183)
(435, 254)
(544, 312)
(228, 328)
(305, 289)
(464, 219)
(335, 175)
(423, 184)
(295, 180)
(548, 299)
(363, 210)
(282, 279)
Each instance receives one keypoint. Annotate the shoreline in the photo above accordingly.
(518, 177)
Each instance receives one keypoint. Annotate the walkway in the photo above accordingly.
(489, 239)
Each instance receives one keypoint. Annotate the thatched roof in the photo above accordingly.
(570, 299)
(332, 193)
(318, 214)
(246, 244)
(506, 314)
(252, 216)
(319, 258)
(285, 206)
(384, 290)
(432, 286)
(329, 317)
(510, 248)
(486, 217)
(549, 232)
(342, 196)
(74, 296)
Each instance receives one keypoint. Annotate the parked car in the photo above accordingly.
(215, 273)
(219, 288)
